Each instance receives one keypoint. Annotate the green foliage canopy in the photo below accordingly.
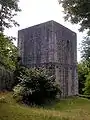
(85, 50)
(87, 85)
(77, 11)
(83, 71)
(8, 52)
(8, 9)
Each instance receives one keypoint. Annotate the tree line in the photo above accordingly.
(8, 51)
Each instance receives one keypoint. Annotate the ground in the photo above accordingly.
(74, 108)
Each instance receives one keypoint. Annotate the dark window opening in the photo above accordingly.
(68, 44)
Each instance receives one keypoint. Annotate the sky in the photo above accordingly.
(39, 11)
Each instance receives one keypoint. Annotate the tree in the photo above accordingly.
(8, 9)
(85, 50)
(83, 71)
(87, 85)
(77, 11)
(8, 52)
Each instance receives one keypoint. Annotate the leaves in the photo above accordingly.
(87, 85)
(9, 9)
(8, 52)
(83, 70)
(85, 49)
(77, 11)
(36, 87)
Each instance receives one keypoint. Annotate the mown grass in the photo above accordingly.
(66, 109)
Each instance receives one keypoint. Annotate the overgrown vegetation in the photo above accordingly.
(84, 67)
(84, 78)
(36, 87)
(83, 71)
(8, 53)
(87, 85)
(8, 60)
(8, 9)
(77, 11)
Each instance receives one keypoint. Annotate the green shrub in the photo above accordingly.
(83, 70)
(19, 70)
(36, 87)
(87, 85)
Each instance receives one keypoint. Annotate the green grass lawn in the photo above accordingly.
(67, 109)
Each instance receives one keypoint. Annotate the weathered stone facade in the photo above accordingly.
(53, 46)
(6, 79)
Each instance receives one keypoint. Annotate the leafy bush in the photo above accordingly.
(8, 53)
(17, 73)
(36, 87)
(87, 85)
(83, 71)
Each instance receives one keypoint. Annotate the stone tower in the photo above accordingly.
(54, 47)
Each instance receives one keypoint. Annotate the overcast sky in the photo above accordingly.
(38, 11)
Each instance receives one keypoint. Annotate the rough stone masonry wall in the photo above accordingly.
(6, 79)
(66, 59)
(52, 46)
(36, 46)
